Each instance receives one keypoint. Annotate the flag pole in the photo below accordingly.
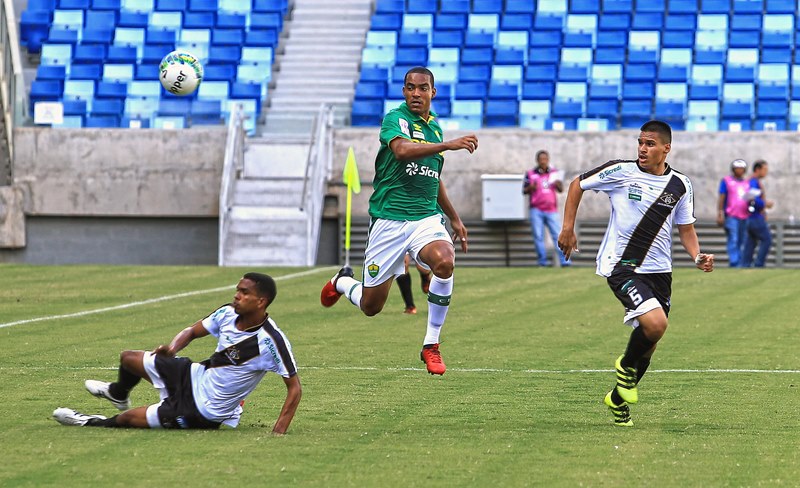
(353, 182)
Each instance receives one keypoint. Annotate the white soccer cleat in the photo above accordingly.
(100, 390)
(68, 416)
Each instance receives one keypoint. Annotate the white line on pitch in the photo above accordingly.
(149, 301)
(455, 370)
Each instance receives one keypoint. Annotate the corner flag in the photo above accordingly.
(353, 182)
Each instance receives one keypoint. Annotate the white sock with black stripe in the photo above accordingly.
(438, 305)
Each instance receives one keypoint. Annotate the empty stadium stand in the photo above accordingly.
(100, 58)
(588, 64)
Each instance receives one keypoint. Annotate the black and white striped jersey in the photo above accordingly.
(644, 208)
(241, 360)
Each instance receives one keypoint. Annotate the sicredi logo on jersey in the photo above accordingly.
(413, 169)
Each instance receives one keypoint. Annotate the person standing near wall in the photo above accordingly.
(757, 232)
(541, 185)
(732, 210)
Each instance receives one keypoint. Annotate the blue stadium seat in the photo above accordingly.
(474, 73)
(413, 39)
(370, 90)
(206, 112)
(419, 23)
(676, 38)
(63, 36)
(748, 6)
(79, 90)
(421, 7)
(538, 90)
(141, 108)
(97, 36)
(51, 73)
(115, 5)
(198, 20)
(534, 113)
(454, 6)
(107, 107)
(745, 39)
(503, 91)
(476, 56)
(174, 106)
(735, 124)
(715, 6)
(148, 71)
(86, 72)
(366, 113)
(132, 19)
(89, 54)
(602, 108)
(543, 72)
(584, 6)
(547, 22)
(171, 5)
(609, 55)
(261, 38)
(266, 21)
(171, 21)
(449, 22)
(45, 91)
(150, 89)
(544, 55)
(277, 6)
(680, 22)
(118, 73)
(393, 6)
(106, 90)
(227, 37)
(509, 56)
(34, 28)
(417, 56)
(386, 21)
(640, 72)
(781, 6)
(517, 21)
(472, 90)
(121, 55)
(501, 113)
(224, 72)
(648, 21)
(102, 121)
(638, 90)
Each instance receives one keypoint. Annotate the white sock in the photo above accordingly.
(350, 288)
(438, 304)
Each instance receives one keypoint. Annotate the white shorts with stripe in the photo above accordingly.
(390, 240)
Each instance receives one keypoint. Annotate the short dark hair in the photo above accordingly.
(419, 69)
(540, 152)
(265, 285)
(760, 163)
(661, 128)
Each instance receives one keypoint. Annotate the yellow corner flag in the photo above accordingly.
(353, 182)
(350, 176)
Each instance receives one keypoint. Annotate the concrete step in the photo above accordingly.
(275, 160)
(325, 14)
(310, 103)
(312, 23)
(331, 31)
(311, 66)
(247, 215)
(323, 51)
(269, 193)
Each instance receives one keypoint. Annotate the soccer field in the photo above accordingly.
(529, 354)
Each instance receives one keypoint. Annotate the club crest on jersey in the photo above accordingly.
(635, 192)
(232, 353)
(404, 127)
(373, 269)
(668, 199)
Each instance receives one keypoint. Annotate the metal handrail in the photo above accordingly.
(231, 167)
(12, 82)
(316, 172)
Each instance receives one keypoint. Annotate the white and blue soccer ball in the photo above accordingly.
(181, 73)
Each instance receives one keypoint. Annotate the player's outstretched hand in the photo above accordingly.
(567, 242)
(470, 143)
(705, 262)
(460, 233)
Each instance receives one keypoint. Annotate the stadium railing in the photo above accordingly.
(12, 85)
(231, 167)
(318, 170)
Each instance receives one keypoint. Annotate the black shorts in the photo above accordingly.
(632, 289)
(178, 410)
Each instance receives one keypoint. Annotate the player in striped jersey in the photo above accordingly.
(208, 394)
(647, 198)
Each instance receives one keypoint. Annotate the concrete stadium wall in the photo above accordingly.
(119, 172)
(704, 157)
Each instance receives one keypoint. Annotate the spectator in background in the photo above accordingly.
(732, 210)
(757, 227)
(541, 184)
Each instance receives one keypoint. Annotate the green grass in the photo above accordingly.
(514, 409)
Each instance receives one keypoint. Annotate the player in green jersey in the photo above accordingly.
(406, 213)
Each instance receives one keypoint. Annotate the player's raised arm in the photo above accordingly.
(405, 149)
(293, 394)
(182, 339)
(567, 240)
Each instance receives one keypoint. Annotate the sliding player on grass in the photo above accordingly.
(208, 394)
(647, 198)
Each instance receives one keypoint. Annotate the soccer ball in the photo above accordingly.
(181, 73)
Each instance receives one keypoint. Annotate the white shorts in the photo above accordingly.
(389, 241)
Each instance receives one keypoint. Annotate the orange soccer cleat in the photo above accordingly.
(432, 358)
(330, 295)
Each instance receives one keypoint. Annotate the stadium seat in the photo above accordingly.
(538, 90)
(366, 113)
(169, 122)
(107, 90)
(501, 113)
(86, 72)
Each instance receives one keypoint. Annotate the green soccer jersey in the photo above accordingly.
(406, 190)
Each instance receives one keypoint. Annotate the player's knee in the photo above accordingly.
(130, 358)
(444, 268)
(656, 329)
(371, 309)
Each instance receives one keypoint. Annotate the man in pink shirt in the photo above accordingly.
(541, 184)
(732, 209)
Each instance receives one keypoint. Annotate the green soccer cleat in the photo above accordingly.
(621, 413)
(626, 382)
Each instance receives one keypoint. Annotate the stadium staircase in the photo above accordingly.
(319, 63)
(276, 202)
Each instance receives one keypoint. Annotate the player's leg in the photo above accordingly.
(404, 283)
(131, 371)
(537, 228)
(749, 246)
(383, 260)
(439, 255)
(646, 300)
